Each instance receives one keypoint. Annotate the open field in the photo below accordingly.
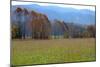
(25, 52)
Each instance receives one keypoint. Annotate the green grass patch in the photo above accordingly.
(25, 52)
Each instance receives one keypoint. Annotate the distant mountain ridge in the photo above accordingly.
(81, 16)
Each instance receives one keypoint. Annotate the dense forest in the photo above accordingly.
(31, 24)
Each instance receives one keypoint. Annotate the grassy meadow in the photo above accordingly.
(26, 52)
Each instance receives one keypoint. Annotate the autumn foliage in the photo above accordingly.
(35, 25)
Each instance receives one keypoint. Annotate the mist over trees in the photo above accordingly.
(31, 24)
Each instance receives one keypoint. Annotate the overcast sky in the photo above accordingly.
(60, 5)
(89, 2)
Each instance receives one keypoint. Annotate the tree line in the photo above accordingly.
(35, 25)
